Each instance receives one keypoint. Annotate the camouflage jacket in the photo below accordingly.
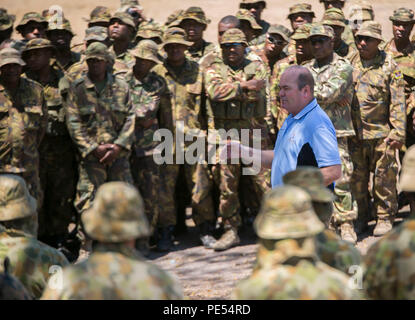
(145, 98)
(75, 57)
(23, 122)
(260, 51)
(290, 49)
(333, 90)
(96, 118)
(262, 37)
(124, 61)
(345, 50)
(114, 272)
(378, 107)
(390, 265)
(335, 252)
(197, 54)
(30, 259)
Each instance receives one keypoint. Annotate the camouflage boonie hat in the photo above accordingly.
(55, 24)
(301, 8)
(96, 33)
(175, 35)
(371, 29)
(15, 200)
(117, 214)
(334, 17)
(98, 50)
(147, 50)
(287, 213)
(37, 43)
(403, 15)
(251, 2)
(10, 55)
(311, 180)
(362, 11)
(31, 16)
(302, 32)
(6, 20)
(234, 36)
(407, 178)
(284, 32)
(124, 18)
(10, 287)
(244, 14)
(318, 29)
(150, 30)
(129, 3)
(174, 19)
(99, 14)
(195, 13)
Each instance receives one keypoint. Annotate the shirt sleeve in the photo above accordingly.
(323, 141)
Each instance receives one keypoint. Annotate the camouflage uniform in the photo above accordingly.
(263, 24)
(23, 122)
(95, 118)
(6, 21)
(334, 92)
(246, 15)
(30, 259)
(27, 17)
(184, 88)
(58, 174)
(146, 96)
(226, 104)
(287, 265)
(115, 271)
(10, 287)
(378, 112)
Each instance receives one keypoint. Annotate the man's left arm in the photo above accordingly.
(126, 135)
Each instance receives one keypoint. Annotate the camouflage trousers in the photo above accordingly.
(92, 174)
(344, 205)
(146, 175)
(58, 178)
(202, 205)
(374, 156)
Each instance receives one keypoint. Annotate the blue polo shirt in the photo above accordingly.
(309, 138)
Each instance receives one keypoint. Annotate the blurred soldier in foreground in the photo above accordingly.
(10, 287)
(30, 259)
(287, 265)
(115, 270)
(390, 263)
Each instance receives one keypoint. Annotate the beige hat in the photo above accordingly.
(234, 36)
(9, 56)
(176, 35)
(370, 29)
(334, 17)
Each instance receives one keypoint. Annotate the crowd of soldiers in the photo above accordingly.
(78, 148)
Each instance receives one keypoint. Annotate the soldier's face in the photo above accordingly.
(402, 30)
(367, 46)
(33, 30)
(303, 48)
(194, 30)
(38, 59)
(233, 53)
(321, 47)
(97, 67)
(143, 66)
(175, 52)
(118, 30)
(333, 4)
(274, 44)
(247, 30)
(222, 28)
(10, 73)
(60, 38)
(298, 19)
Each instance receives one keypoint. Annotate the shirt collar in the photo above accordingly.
(306, 109)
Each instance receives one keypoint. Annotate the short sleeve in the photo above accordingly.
(323, 141)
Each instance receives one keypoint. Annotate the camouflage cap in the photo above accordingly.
(362, 11)
(15, 200)
(234, 35)
(37, 43)
(252, 2)
(31, 16)
(10, 55)
(311, 180)
(98, 50)
(96, 33)
(334, 17)
(371, 29)
(195, 13)
(117, 214)
(174, 19)
(6, 20)
(99, 14)
(301, 8)
(10, 287)
(147, 50)
(403, 15)
(150, 30)
(318, 29)
(407, 178)
(59, 24)
(175, 35)
(287, 212)
(247, 15)
(284, 32)
(124, 18)
(302, 32)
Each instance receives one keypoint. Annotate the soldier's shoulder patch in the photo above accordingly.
(397, 75)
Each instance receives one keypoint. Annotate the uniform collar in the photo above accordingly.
(306, 109)
(89, 84)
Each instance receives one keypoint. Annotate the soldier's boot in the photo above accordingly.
(383, 226)
(165, 239)
(206, 234)
(347, 232)
(229, 239)
(361, 224)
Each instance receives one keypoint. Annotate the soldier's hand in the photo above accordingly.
(101, 151)
(111, 155)
(394, 144)
(255, 85)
